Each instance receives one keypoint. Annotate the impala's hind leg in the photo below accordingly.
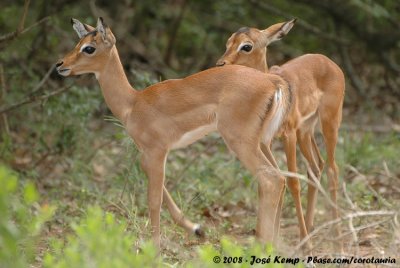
(178, 217)
(314, 175)
(294, 182)
(266, 149)
(330, 117)
(331, 135)
(270, 186)
(317, 153)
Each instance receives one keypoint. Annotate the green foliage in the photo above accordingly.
(59, 142)
(143, 79)
(210, 169)
(79, 103)
(100, 240)
(372, 8)
(6, 147)
(21, 220)
(369, 151)
(234, 255)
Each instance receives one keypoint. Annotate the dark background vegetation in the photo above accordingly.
(57, 132)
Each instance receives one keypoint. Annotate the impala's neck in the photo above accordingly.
(118, 93)
(264, 65)
(258, 59)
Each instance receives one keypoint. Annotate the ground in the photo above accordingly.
(213, 189)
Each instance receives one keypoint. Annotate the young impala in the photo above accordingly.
(318, 86)
(175, 113)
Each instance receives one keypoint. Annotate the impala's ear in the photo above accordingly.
(79, 27)
(105, 32)
(277, 31)
(89, 28)
(101, 28)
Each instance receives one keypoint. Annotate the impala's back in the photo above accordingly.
(240, 103)
(310, 76)
(317, 86)
(217, 97)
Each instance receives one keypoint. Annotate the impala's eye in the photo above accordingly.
(247, 48)
(89, 50)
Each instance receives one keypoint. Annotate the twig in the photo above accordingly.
(35, 24)
(363, 227)
(11, 36)
(336, 221)
(22, 21)
(354, 78)
(97, 149)
(370, 128)
(353, 231)
(390, 62)
(175, 27)
(32, 99)
(315, 182)
(387, 171)
(2, 95)
(97, 12)
(307, 26)
(372, 190)
(121, 210)
(42, 82)
(20, 27)
(378, 196)
(346, 195)
(195, 157)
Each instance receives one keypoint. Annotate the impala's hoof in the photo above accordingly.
(198, 231)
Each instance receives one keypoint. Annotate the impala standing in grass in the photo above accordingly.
(317, 85)
(175, 113)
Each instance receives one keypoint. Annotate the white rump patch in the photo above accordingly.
(277, 117)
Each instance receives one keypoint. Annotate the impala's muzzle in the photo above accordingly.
(62, 71)
(221, 62)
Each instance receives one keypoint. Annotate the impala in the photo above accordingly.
(318, 86)
(175, 113)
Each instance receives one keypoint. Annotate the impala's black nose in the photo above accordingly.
(58, 64)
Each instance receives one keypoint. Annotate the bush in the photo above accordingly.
(233, 255)
(21, 220)
(99, 240)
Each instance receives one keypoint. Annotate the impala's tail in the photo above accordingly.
(279, 108)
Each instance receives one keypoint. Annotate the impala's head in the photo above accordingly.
(92, 51)
(248, 46)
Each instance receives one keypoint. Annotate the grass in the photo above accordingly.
(83, 161)
(212, 179)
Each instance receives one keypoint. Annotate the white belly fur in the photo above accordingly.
(194, 135)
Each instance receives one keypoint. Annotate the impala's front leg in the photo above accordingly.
(153, 164)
